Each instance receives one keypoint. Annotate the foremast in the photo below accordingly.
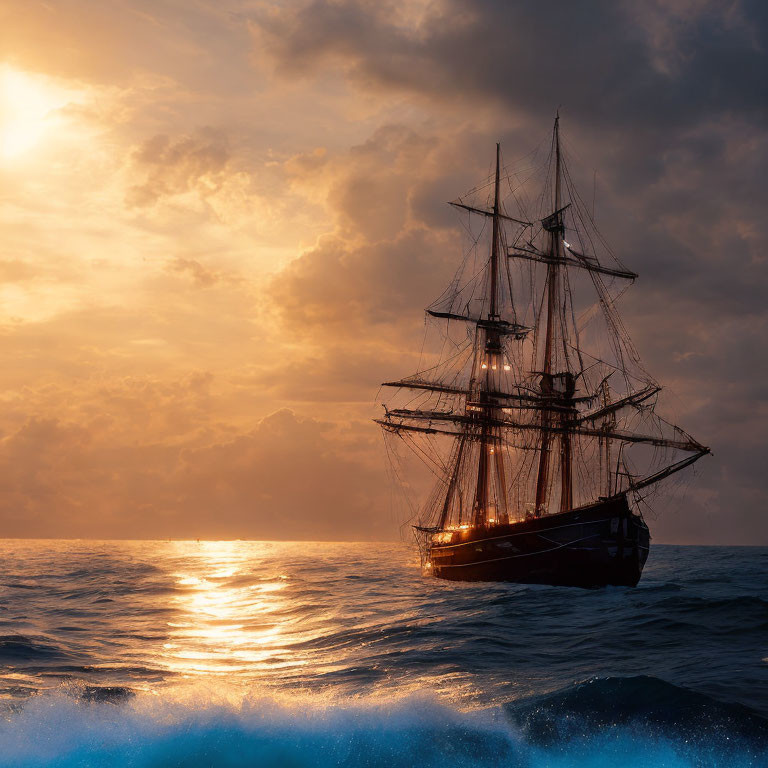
(490, 460)
(482, 409)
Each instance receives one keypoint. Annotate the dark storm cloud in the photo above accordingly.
(615, 63)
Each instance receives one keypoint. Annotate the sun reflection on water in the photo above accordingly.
(229, 620)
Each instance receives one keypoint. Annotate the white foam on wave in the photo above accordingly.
(204, 729)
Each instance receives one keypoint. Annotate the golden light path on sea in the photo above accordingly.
(228, 621)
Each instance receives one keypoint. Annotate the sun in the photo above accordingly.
(28, 110)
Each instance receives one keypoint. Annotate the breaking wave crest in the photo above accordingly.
(632, 722)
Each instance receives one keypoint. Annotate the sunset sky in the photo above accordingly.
(221, 222)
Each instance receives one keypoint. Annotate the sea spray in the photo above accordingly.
(200, 729)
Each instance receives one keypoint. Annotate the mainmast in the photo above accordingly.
(490, 363)
(557, 388)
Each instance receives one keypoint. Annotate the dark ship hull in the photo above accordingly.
(593, 546)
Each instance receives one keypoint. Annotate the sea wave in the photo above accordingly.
(24, 648)
(138, 653)
(634, 722)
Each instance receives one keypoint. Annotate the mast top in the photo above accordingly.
(494, 266)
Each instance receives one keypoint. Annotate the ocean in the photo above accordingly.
(239, 653)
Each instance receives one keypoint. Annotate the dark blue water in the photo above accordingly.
(291, 654)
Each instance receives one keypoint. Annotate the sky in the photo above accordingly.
(221, 222)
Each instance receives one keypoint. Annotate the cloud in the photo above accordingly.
(336, 287)
(115, 43)
(283, 479)
(530, 56)
(175, 166)
(201, 276)
(16, 271)
(394, 244)
(173, 287)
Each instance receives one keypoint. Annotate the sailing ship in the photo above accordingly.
(537, 418)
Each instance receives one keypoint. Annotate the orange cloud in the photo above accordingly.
(173, 167)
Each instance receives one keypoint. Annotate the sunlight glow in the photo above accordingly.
(29, 106)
